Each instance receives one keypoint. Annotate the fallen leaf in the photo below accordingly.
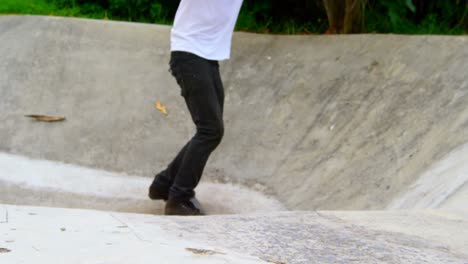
(44, 118)
(4, 250)
(274, 261)
(203, 251)
(161, 107)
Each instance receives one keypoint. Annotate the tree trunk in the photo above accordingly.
(335, 13)
(353, 17)
(344, 16)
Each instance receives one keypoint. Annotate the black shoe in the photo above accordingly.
(189, 207)
(156, 192)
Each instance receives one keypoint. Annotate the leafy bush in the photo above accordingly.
(417, 16)
(272, 16)
(142, 10)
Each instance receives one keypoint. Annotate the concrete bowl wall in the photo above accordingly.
(320, 122)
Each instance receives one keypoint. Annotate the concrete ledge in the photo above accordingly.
(45, 235)
(48, 235)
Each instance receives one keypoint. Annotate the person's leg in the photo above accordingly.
(202, 93)
(219, 87)
(159, 189)
(163, 180)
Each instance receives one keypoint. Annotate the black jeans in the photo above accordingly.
(202, 89)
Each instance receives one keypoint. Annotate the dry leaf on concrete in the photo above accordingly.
(4, 250)
(203, 251)
(273, 261)
(276, 262)
(44, 118)
(160, 107)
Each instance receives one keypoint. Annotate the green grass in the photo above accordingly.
(42, 7)
(248, 19)
(24, 7)
(247, 22)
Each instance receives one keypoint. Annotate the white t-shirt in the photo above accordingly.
(205, 27)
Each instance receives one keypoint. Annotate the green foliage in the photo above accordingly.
(38, 7)
(253, 17)
(273, 17)
(13, 6)
(142, 10)
(270, 16)
(410, 5)
(416, 16)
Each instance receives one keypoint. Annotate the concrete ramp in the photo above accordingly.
(44, 183)
(323, 122)
(353, 122)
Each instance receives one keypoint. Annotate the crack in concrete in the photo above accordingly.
(130, 228)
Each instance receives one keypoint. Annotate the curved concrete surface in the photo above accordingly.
(312, 123)
(34, 182)
(324, 122)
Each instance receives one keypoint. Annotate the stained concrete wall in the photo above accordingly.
(324, 122)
